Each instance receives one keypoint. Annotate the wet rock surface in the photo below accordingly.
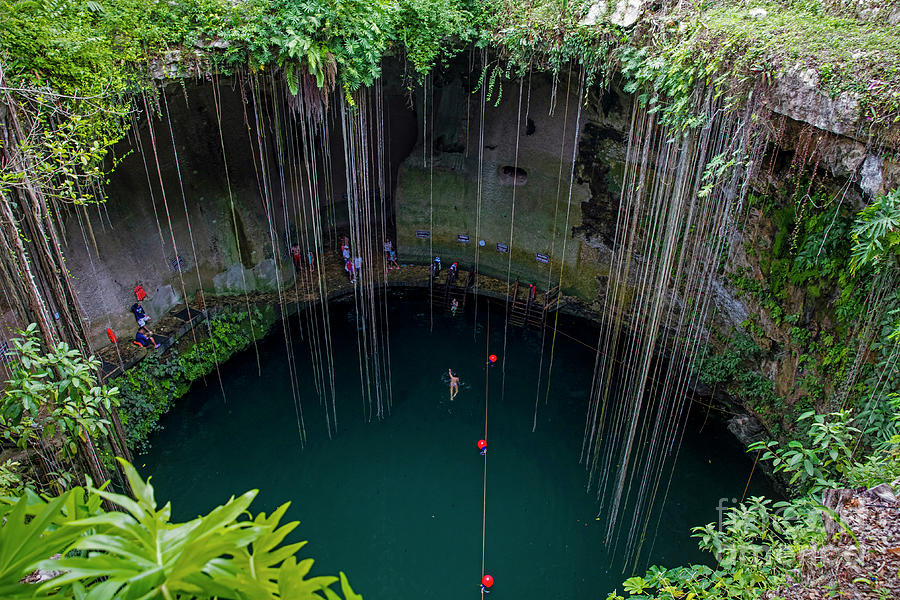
(746, 428)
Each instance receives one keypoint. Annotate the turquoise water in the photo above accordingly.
(397, 504)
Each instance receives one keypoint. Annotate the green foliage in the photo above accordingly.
(756, 543)
(70, 74)
(53, 393)
(321, 36)
(720, 46)
(834, 339)
(73, 49)
(68, 59)
(32, 529)
(432, 29)
(734, 369)
(884, 464)
(10, 480)
(149, 389)
(138, 552)
(823, 461)
(880, 378)
(541, 34)
(876, 234)
(810, 246)
(728, 365)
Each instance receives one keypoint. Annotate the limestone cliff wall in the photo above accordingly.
(237, 238)
(179, 226)
(810, 138)
(505, 183)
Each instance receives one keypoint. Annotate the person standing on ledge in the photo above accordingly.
(295, 255)
(392, 262)
(454, 384)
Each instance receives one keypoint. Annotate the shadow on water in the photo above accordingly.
(398, 504)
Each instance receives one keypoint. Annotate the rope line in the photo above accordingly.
(747, 487)
(562, 150)
(487, 345)
(622, 363)
(187, 220)
(512, 224)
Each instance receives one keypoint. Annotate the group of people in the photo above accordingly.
(353, 264)
(452, 274)
(390, 256)
(297, 256)
(143, 337)
(436, 270)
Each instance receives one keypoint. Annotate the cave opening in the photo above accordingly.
(511, 175)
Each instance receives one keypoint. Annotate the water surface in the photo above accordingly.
(397, 504)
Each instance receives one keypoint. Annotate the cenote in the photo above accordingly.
(235, 232)
(397, 503)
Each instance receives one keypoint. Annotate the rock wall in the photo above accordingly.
(175, 227)
(507, 185)
(810, 138)
(234, 239)
(178, 226)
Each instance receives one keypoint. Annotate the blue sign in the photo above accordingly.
(462, 238)
(542, 258)
(502, 248)
(423, 235)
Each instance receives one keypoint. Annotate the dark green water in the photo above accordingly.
(397, 505)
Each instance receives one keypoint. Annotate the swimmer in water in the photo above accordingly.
(454, 384)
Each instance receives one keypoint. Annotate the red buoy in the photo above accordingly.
(482, 444)
(492, 358)
(487, 581)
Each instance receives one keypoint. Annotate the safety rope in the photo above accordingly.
(484, 479)
(747, 487)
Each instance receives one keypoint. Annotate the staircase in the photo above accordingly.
(442, 295)
(524, 308)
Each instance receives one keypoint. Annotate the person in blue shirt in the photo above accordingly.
(436, 267)
(145, 338)
(139, 315)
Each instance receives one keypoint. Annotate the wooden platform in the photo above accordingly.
(526, 310)
(116, 358)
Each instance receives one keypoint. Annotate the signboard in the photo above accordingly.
(502, 248)
(423, 235)
(462, 238)
(177, 263)
(542, 258)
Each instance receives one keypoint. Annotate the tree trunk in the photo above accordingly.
(35, 304)
(89, 454)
